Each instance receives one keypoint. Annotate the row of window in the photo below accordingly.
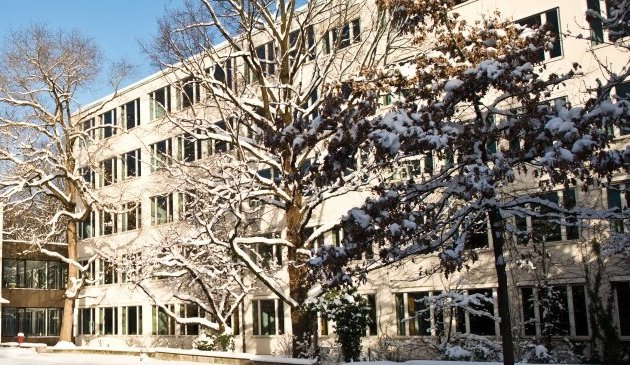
(127, 320)
(102, 223)
(129, 165)
(31, 321)
(188, 91)
(557, 310)
(33, 274)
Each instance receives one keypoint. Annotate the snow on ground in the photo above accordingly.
(28, 356)
(428, 362)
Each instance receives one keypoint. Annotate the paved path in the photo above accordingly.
(28, 356)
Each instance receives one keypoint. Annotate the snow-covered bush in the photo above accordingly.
(350, 312)
(536, 353)
(471, 348)
(214, 342)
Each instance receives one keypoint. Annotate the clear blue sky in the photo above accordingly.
(116, 26)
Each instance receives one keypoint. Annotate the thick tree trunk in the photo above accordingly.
(67, 320)
(497, 228)
(303, 322)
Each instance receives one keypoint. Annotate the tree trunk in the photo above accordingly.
(497, 229)
(303, 322)
(67, 319)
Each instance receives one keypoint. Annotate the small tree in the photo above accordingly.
(193, 271)
(350, 311)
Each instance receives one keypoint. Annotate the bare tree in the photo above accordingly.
(42, 70)
(275, 78)
(192, 271)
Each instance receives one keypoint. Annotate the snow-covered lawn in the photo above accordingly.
(28, 356)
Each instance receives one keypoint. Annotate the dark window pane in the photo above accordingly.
(482, 324)
(579, 310)
(554, 22)
(623, 303)
(529, 315)
(400, 315)
(419, 313)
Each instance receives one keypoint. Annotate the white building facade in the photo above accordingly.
(131, 132)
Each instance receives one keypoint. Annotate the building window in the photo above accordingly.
(109, 223)
(223, 73)
(415, 316)
(33, 274)
(108, 321)
(597, 31)
(161, 153)
(33, 322)
(478, 235)
(266, 55)
(550, 226)
(189, 148)
(131, 320)
(372, 328)
(302, 42)
(219, 146)
(343, 36)
(107, 273)
(89, 274)
(190, 311)
(87, 228)
(130, 114)
(109, 123)
(618, 197)
(109, 171)
(87, 321)
(131, 216)
(162, 323)
(160, 102)
(268, 317)
(269, 254)
(89, 128)
(552, 19)
(623, 93)
(132, 164)
(161, 209)
(89, 177)
(622, 300)
(547, 311)
(188, 93)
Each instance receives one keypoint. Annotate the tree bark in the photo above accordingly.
(303, 322)
(497, 228)
(67, 319)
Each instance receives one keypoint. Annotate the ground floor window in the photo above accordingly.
(416, 316)
(622, 299)
(131, 320)
(555, 310)
(162, 322)
(31, 321)
(87, 321)
(190, 311)
(108, 321)
(268, 317)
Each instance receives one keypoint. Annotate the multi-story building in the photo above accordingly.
(132, 134)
